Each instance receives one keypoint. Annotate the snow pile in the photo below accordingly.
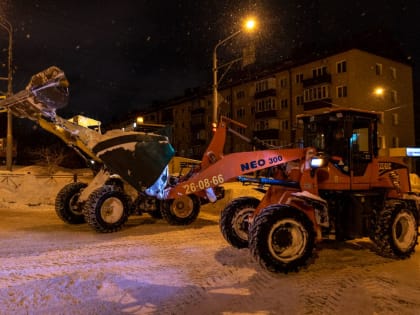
(33, 185)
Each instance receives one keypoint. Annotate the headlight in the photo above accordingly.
(317, 162)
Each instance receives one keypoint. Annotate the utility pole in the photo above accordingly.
(5, 24)
(249, 25)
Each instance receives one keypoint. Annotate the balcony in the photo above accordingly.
(325, 78)
(326, 102)
(266, 114)
(265, 93)
(267, 134)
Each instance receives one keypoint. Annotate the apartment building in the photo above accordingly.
(268, 101)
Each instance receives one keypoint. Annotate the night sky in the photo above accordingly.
(124, 55)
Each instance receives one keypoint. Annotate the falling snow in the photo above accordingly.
(170, 43)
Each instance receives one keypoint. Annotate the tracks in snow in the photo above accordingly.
(153, 268)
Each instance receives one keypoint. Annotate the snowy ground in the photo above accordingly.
(150, 267)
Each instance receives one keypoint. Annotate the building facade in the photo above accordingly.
(269, 100)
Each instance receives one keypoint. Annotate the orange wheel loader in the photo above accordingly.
(334, 185)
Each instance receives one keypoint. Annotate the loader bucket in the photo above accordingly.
(50, 88)
(139, 158)
(46, 92)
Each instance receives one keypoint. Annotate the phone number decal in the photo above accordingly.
(204, 183)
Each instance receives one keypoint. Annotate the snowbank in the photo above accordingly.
(33, 185)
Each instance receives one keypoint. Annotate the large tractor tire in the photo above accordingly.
(396, 230)
(106, 210)
(181, 211)
(281, 238)
(234, 220)
(67, 204)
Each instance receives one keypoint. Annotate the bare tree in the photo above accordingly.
(51, 157)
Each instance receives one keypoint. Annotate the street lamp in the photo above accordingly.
(249, 25)
(379, 91)
(5, 24)
(140, 119)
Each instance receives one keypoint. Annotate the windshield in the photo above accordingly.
(327, 134)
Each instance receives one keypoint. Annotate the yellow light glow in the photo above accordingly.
(140, 120)
(250, 24)
(379, 91)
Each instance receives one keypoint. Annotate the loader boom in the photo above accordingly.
(139, 158)
(232, 166)
(217, 168)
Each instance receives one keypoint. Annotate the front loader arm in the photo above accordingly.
(46, 92)
(73, 135)
(231, 166)
(214, 151)
(140, 158)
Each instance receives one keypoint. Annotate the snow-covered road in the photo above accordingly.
(48, 267)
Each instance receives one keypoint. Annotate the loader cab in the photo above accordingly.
(348, 137)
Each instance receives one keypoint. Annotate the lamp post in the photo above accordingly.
(5, 24)
(249, 25)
